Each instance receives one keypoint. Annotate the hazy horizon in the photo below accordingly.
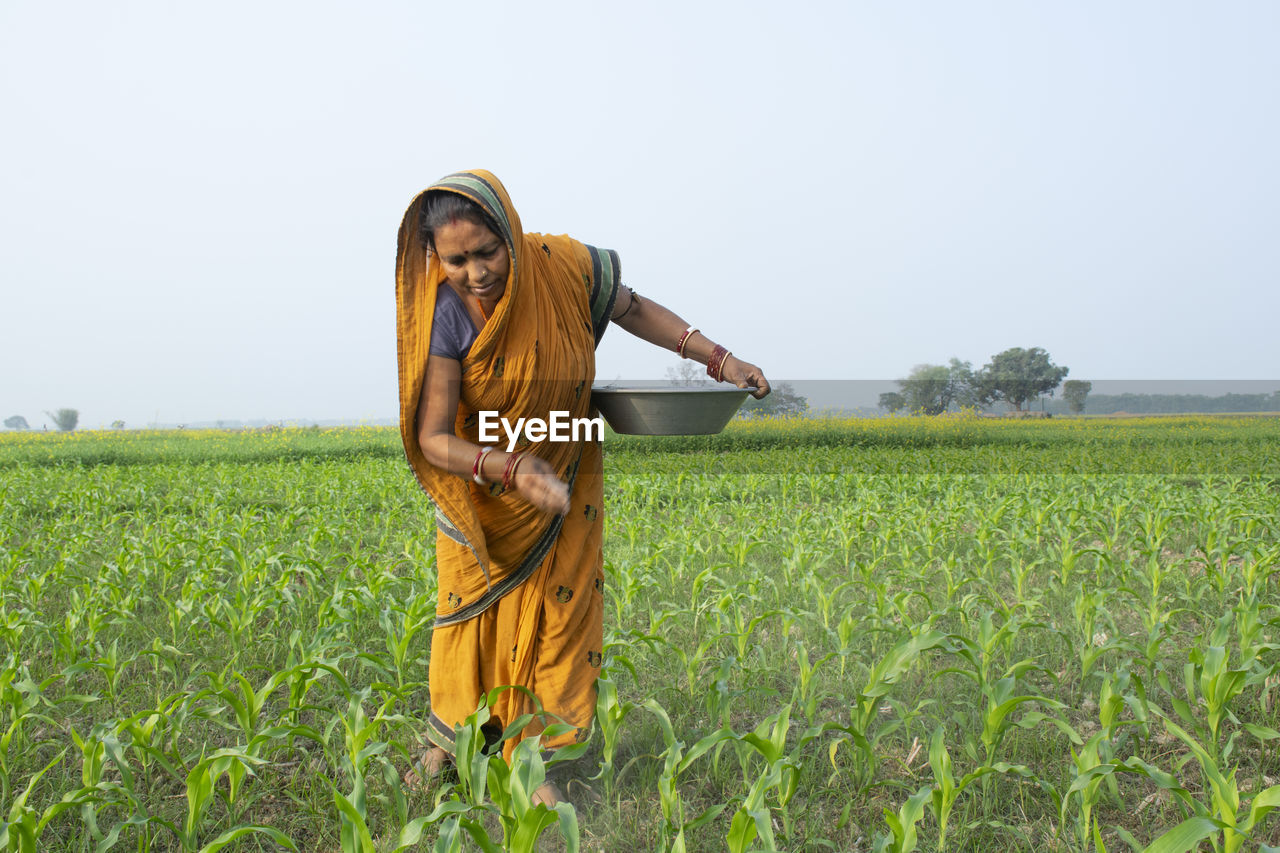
(198, 204)
(823, 395)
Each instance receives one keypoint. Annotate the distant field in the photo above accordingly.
(900, 633)
(1154, 443)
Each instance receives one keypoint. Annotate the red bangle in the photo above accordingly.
(715, 364)
(684, 339)
(478, 465)
(512, 461)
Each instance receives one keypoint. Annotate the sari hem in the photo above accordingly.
(446, 527)
(440, 733)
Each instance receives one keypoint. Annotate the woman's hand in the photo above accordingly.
(536, 481)
(745, 375)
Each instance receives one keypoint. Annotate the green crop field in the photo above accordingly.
(896, 634)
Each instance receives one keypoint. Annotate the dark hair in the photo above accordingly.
(441, 208)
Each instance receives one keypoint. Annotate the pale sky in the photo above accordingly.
(199, 201)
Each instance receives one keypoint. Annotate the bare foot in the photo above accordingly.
(430, 764)
(547, 794)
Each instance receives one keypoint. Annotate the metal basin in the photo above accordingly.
(667, 411)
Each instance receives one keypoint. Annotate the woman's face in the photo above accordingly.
(475, 259)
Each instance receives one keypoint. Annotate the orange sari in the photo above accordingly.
(520, 591)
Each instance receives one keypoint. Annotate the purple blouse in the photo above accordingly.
(452, 332)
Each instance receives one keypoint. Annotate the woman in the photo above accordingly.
(492, 321)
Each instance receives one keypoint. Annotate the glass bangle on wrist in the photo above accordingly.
(477, 467)
(715, 364)
(684, 340)
(508, 474)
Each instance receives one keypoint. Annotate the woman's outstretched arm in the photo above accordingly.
(661, 326)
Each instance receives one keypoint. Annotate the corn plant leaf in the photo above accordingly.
(955, 670)
(1185, 836)
(664, 721)
(1031, 719)
(1261, 732)
(1098, 845)
(572, 752)
(902, 824)
(556, 730)
(25, 840)
(940, 764)
(1164, 780)
(742, 831)
(527, 773)
(501, 789)
(1127, 837)
(894, 665)
(448, 808)
(360, 837)
(109, 840)
(569, 827)
(704, 818)
(1085, 778)
(1223, 786)
(449, 837)
(69, 800)
(479, 835)
(530, 827)
(232, 834)
(116, 753)
(1261, 805)
(762, 745)
(702, 746)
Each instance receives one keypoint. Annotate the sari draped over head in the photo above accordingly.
(520, 590)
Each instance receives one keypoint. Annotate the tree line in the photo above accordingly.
(1016, 376)
(64, 419)
(1145, 404)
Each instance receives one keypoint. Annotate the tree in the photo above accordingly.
(1074, 391)
(892, 401)
(1018, 375)
(16, 422)
(688, 373)
(64, 419)
(117, 424)
(782, 400)
(932, 388)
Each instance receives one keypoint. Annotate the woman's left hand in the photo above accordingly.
(744, 374)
